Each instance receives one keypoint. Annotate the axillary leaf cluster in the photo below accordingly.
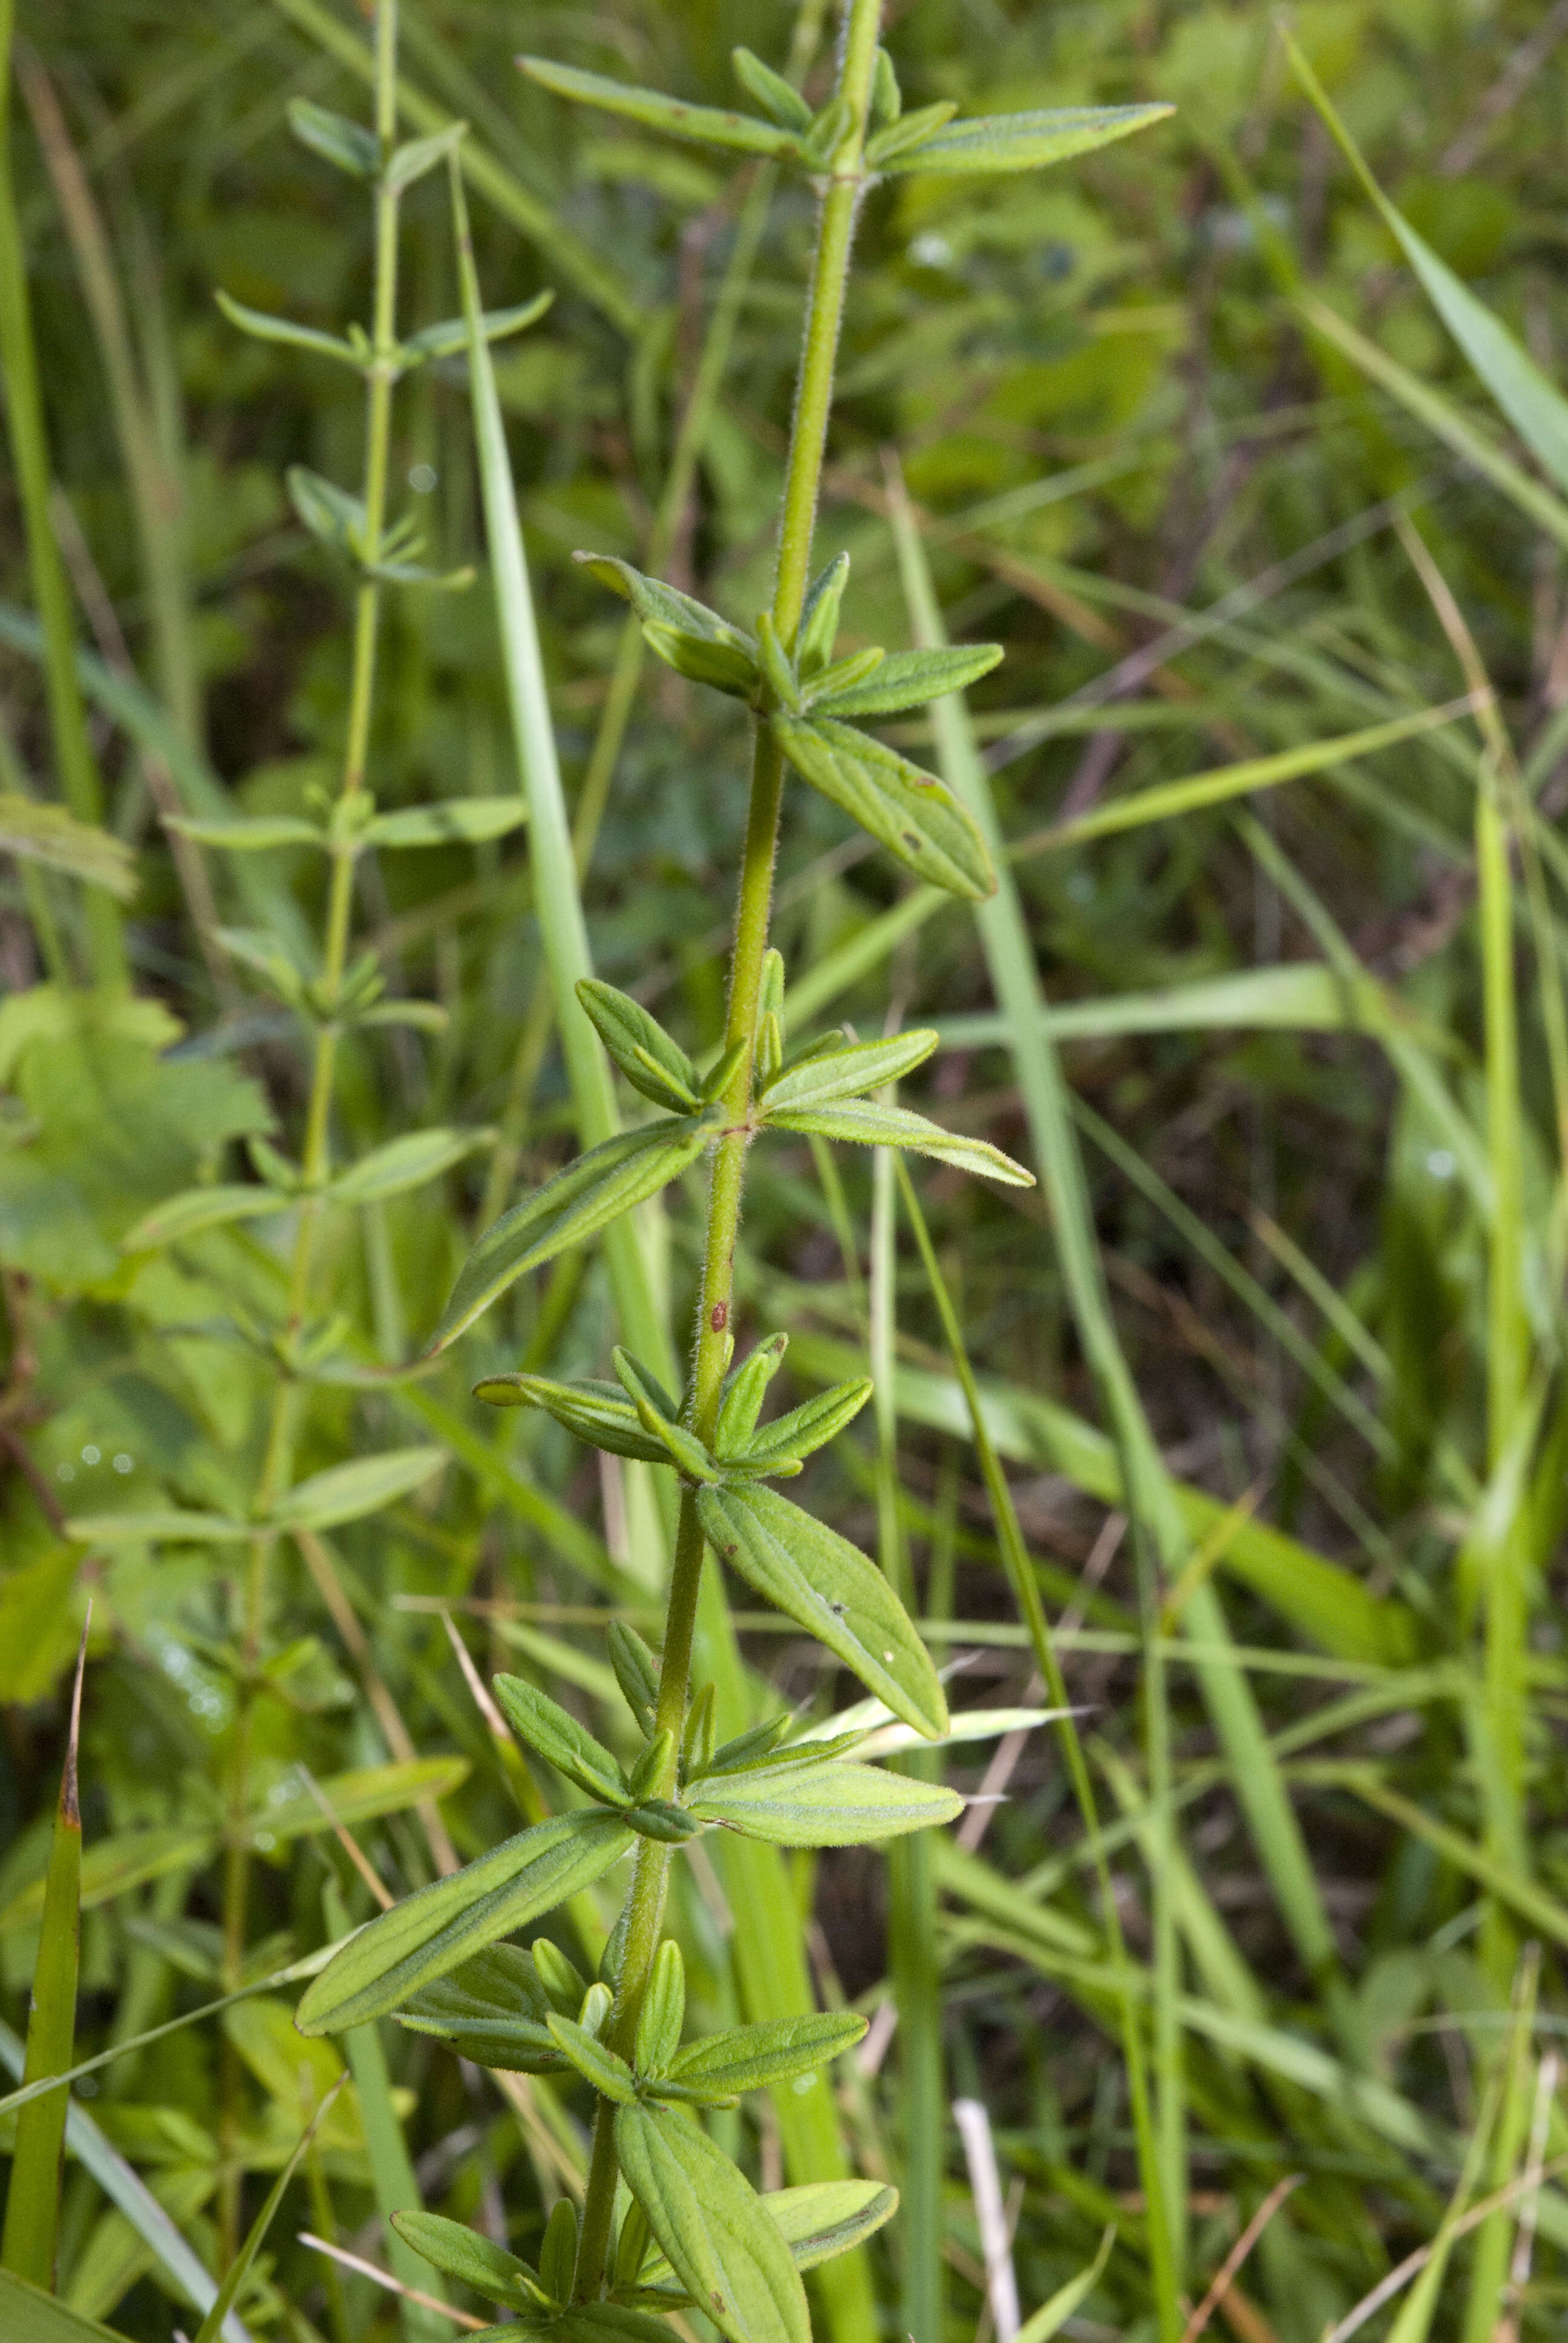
(691, 2230)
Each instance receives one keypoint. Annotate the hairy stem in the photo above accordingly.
(808, 441)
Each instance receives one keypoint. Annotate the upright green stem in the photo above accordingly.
(278, 1455)
(75, 765)
(808, 441)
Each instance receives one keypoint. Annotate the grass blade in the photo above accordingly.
(239, 2268)
(914, 1963)
(33, 2203)
(80, 782)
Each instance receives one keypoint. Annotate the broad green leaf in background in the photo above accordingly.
(202, 1208)
(721, 2242)
(467, 821)
(828, 1587)
(907, 810)
(49, 835)
(346, 1493)
(439, 1927)
(403, 1163)
(568, 1209)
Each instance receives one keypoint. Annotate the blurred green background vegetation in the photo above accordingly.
(1191, 520)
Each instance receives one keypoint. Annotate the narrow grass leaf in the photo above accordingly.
(33, 2200)
(1537, 411)
(239, 2268)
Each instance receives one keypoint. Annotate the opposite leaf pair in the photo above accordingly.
(802, 698)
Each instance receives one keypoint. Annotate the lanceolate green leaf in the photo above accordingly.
(266, 328)
(828, 1587)
(909, 680)
(570, 1209)
(559, 1738)
(467, 821)
(722, 2243)
(439, 1927)
(249, 833)
(907, 810)
(664, 605)
(807, 1427)
(345, 1492)
(610, 2076)
(870, 1123)
(460, 2252)
(1024, 142)
(749, 2058)
(403, 1163)
(652, 1062)
(844, 1074)
(817, 2220)
(838, 1804)
(708, 124)
(202, 1208)
(491, 2010)
(445, 340)
(600, 1413)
